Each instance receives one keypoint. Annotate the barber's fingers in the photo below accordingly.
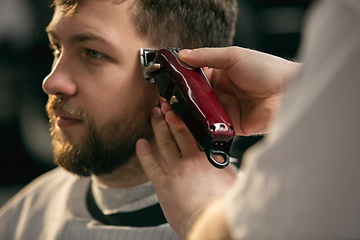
(171, 116)
(151, 167)
(185, 141)
(164, 139)
(220, 58)
(165, 107)
(173, 142)
(182, 135)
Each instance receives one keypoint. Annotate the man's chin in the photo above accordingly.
(74, 138)
(68, 156)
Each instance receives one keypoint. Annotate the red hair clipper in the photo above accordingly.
(190, 94)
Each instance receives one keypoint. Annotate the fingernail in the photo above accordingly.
(162, 100)
(156, 112)
(185, 52)
(141, 143)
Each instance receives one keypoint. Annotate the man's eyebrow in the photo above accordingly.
(78, 38)
(49, 31)
(83, 37)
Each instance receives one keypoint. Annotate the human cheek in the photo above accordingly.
(111, 101)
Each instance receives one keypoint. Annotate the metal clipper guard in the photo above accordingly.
(190, 94)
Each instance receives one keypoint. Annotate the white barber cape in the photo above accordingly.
(303, 180)
(53, 206)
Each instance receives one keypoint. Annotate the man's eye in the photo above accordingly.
(94, 53)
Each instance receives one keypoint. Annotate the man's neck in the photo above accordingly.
(128, 175)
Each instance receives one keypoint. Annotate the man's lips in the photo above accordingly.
(64, 120)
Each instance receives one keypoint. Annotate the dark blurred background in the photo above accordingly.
(25, 145)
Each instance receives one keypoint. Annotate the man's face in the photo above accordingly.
(98, 103)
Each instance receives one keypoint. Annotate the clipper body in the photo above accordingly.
(190, 94)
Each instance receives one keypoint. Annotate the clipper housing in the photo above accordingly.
(190, 94)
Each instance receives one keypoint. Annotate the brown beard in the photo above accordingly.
(103, 148)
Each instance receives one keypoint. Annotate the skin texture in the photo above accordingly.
(211, 224)
(249, 85)
(96, 69)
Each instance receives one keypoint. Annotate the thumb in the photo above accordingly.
(208, 57)
(192, 57)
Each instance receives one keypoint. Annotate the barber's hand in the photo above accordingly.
(249, 84)
(187, 182)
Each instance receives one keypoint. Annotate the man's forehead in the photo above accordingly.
(77, 33)
(91, 23)
(68, 7)
(70, 10)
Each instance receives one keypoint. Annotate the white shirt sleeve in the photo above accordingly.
(303, 180)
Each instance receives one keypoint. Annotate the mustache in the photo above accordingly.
(64, 105)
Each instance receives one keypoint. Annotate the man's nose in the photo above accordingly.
(60, 81)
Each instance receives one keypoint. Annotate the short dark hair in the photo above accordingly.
(181, 23)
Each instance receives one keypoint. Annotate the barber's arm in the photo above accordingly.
(249, 85)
